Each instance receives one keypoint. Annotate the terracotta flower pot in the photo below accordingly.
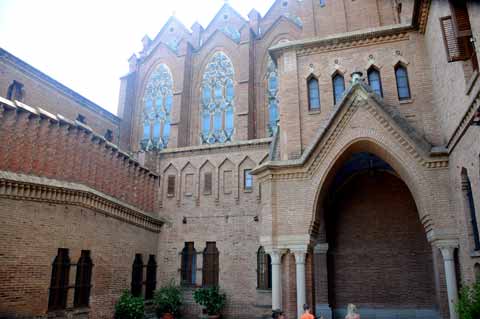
(167, 316)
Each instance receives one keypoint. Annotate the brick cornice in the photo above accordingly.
(39, 189)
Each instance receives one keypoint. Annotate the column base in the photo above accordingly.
(323, 310)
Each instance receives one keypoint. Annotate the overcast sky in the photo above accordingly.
(85, 44)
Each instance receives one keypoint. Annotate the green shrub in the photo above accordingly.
(211, 299)
(129, 307)
(468, 306)
(168, 299)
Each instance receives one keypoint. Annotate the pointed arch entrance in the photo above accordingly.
(378, 256)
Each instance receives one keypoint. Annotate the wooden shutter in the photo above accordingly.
(210, 265)
(59, 281)
(188, 264)
(171, 185)
(207, 186)
(151, 277)
(461, 21)
(458, 49)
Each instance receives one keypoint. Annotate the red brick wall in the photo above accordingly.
(378, 248)
(31, 233)
(67, 152)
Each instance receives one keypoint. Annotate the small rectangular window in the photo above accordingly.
(171, 185)
(247, 179)
(189, 184)
(207, 183)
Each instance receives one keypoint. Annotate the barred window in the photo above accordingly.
(210, 265)
(137, 276)
(59, 281)
(189, 264)
(157, 108)
(217, 102)
(338, 87)
(313, 94)
(83, 281)
(375, 81)
(264, 270)
(403, 86)
(151, 282)
(207, 183)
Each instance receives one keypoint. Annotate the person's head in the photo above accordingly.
(351, 309)
(306, 308)
(277, 314)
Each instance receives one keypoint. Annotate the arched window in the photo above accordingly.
(272, 94)
(83, 281)
(403, 87)
(217, 103)
(313, 94)
(59, 281)
(470, 207)
(189, 264)
(338, 87)
(264, 270)
(157, 108)
(375, 81)
(210, 265)
(137, 275)
(151, 282)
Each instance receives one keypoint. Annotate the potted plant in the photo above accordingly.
(168, 300)
(468, 306)
(211, 299)
(129, 307)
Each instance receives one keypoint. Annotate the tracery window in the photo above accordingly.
(272, 94)
(217, 103)
(157, 108)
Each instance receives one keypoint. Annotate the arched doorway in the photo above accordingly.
(378, 256)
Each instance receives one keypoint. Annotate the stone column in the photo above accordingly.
(276, 257)
(447, 247)
(321, 281)
(300, 274)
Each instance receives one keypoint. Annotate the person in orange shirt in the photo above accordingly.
(306, 313)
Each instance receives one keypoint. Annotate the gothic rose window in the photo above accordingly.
(217, 103)
(157, 108)
(272, 97)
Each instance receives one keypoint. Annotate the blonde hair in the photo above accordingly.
(351, 310)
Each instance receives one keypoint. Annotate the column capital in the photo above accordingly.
(447, 247)
(276, 255)
(300, 255)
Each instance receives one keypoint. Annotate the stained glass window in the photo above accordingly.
(375, 81)
(272, 97)
(217, 104)
(157, 108)
(338, 88)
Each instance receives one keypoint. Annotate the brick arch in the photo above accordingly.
(404, 165)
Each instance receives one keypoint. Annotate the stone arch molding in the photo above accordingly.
(363, 121)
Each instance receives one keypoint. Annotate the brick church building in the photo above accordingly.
(324, 153)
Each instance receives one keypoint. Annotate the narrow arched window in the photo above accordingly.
(57, 298)
(137, 275)
(189, 265)
(272, 94)
(403, 86)
(83, 280)
(217, 102)
(313, 94)
(151, 282)
(338, 87)
(375, 81)
(264, 270)
(470, 207)
(210, 265)
(157, 108)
